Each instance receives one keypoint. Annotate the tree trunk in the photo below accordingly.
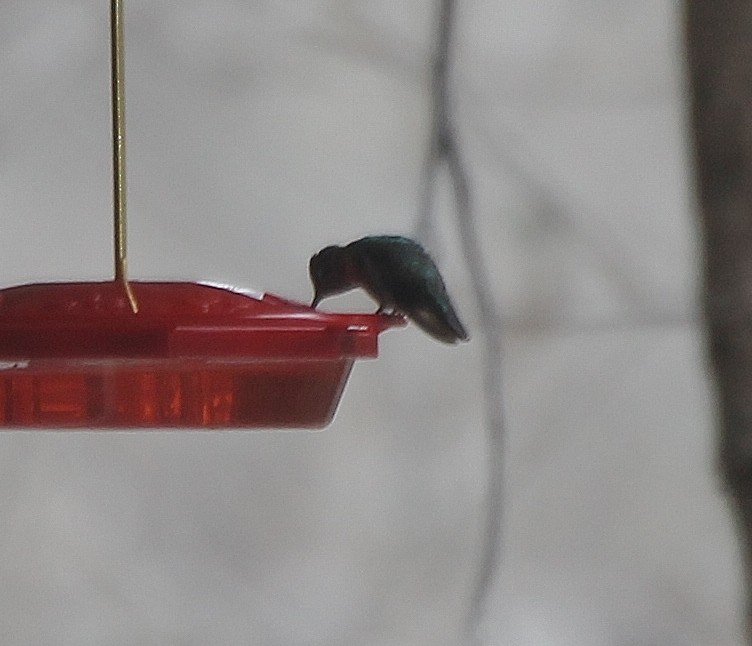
(719, 54)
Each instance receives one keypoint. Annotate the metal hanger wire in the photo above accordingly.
(117, 76)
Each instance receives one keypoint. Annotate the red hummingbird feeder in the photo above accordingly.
(122, 354)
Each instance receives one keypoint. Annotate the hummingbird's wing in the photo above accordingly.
(400, 274)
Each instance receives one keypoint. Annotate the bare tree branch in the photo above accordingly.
(719, 48)
(444, 149)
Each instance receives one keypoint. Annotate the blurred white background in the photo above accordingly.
(262, 130)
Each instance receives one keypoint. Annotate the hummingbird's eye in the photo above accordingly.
(323, 267)
(315, 268)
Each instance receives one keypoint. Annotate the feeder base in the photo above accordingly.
(179, 394)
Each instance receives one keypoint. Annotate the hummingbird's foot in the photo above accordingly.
(384, 311)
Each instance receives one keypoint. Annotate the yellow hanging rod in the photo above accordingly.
(117, 76)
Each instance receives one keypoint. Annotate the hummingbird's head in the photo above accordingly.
(330, 274)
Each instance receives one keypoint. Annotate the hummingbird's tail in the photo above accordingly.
(444, 326)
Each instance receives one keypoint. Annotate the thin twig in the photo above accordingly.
(444, 148)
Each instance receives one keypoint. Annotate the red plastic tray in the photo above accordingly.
(74, 355)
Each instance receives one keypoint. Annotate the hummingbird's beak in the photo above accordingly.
(316, 300)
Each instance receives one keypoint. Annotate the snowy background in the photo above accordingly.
(262, 130)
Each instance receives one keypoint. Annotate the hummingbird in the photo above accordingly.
(397, 273)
